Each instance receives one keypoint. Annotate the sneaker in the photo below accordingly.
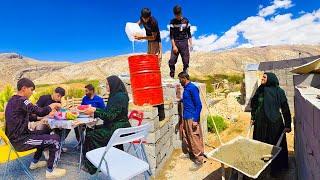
(56, 173)
(195, 166)
(184, 156)
(46, 154)
(37, 165)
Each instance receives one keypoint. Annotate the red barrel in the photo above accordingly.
(145, 77)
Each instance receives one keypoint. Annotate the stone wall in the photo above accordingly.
(164, 135)
(307, 126)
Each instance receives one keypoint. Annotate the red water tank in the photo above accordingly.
(145, 77)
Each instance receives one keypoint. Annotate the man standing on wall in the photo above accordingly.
(181, 40)
(154, 42)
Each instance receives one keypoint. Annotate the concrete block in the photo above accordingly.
(155, 148)
(149, 112)
(164, 159)
(155, 125)
(177, 144)
(165, 148)
(308, 116)
(316, 122)
(174, 120)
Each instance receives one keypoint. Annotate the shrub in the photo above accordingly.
(219, 121)
(76, 93)
(209, 87)
(5, 95)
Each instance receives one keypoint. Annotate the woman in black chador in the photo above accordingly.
(268, 121)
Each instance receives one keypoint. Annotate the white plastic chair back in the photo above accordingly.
(126, 135)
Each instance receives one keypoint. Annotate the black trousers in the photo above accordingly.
(183, 50)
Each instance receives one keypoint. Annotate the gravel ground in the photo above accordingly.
(68, 161)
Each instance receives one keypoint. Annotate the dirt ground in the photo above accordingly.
(177, 168)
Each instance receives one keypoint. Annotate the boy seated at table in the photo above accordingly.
(17, 115)
(46, 100)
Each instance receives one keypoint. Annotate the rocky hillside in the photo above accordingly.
(201, 63)
(14, 66)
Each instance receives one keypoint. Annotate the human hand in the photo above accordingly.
(252, 122)
(90, 111)
(287, 130)
(194, 125)
(55, 106)
(44, 121)
(175, 49)
(137, 37)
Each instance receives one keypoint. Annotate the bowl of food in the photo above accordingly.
(83, 108)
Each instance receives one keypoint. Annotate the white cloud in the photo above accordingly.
(202, 43)
(260, 31)
(277, 4)
(164, 34)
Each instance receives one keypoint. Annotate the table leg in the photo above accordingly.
(223, 174)
(81, 136)
(240, 176)
(62, 139)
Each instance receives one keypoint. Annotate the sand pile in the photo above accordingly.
(245, 155)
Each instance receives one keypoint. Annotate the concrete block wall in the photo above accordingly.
(307, 126)
(164, 135)
(286, 83)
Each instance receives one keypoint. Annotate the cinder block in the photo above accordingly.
(154, 123)
(177, 144)
(155, 148)
(308, 116)
(149, 112)
(164, 160)
(316, 122)
(174, 120)
(165, 148)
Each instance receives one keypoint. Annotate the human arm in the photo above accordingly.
(189, 36)
(197, 103)
(114, 110)
(39, 111)
(149, 38)
(285, 112)
(102, 105)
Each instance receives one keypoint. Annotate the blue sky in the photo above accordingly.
(78, 30)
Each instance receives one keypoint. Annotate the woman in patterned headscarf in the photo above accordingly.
(114, 116)
(268, 122)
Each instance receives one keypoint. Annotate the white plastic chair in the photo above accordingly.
(115, 163)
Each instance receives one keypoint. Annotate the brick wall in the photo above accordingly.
(307, 126)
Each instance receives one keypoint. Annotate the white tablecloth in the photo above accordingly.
(69, 124)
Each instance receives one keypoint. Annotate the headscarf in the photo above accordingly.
(273, 97)
(116, 85)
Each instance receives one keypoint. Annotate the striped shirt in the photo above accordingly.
(180, 29)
